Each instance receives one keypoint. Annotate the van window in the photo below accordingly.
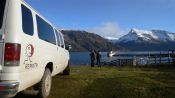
(27, 20)
(62, 40)
(2, 8)
(58, 37)
(45, 31)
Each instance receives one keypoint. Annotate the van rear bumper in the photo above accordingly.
(8, 89)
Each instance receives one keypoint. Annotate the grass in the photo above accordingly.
(114, 82)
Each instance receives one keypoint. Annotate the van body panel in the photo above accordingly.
(13, 22)
(10, 74)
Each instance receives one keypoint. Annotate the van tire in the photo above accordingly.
(67, 70)
(44, 87)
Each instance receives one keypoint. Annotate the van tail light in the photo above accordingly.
(12, 54)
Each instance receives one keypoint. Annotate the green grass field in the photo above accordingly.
(114, 82)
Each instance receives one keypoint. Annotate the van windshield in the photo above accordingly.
(2, 7)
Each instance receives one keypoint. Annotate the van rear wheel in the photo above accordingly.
(44, 86)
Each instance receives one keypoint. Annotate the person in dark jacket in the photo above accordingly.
(98, 58)
(92, 57)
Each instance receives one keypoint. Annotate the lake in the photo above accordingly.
(82, 58)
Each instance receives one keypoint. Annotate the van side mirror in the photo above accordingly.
(68, 47)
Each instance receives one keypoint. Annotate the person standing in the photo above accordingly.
(98, 58)
(92, 57)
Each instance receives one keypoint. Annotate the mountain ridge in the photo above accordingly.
(135, 40)
(148, 36)
(144, 40)
(84, 41)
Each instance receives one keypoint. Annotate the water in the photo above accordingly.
(82, 58)
(79, 58)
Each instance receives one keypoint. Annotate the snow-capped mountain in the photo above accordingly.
(152, 36)
(142, 40)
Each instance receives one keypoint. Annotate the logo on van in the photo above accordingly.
(29, 64)
(29, 50)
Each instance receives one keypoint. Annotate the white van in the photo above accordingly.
(32, 50)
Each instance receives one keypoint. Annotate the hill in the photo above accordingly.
(84, 41)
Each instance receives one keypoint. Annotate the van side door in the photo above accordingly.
(60, 53)
(63, 50)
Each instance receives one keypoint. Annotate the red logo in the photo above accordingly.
(30, 50)
(29, 64)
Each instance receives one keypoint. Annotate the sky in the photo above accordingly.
(108, 18)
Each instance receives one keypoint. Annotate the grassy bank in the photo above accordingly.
(114, 82)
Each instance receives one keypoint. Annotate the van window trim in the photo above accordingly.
(58, 38)
(62, 39)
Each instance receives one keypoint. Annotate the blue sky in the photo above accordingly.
(108, 18)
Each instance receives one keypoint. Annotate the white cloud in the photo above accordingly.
(108, 29)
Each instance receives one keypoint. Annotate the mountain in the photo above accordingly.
(135, 40)
(148, 36)
(84, 41)
(142, 40)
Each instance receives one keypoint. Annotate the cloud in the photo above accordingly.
(108, 30)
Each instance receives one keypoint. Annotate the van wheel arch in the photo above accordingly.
(49, 66)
